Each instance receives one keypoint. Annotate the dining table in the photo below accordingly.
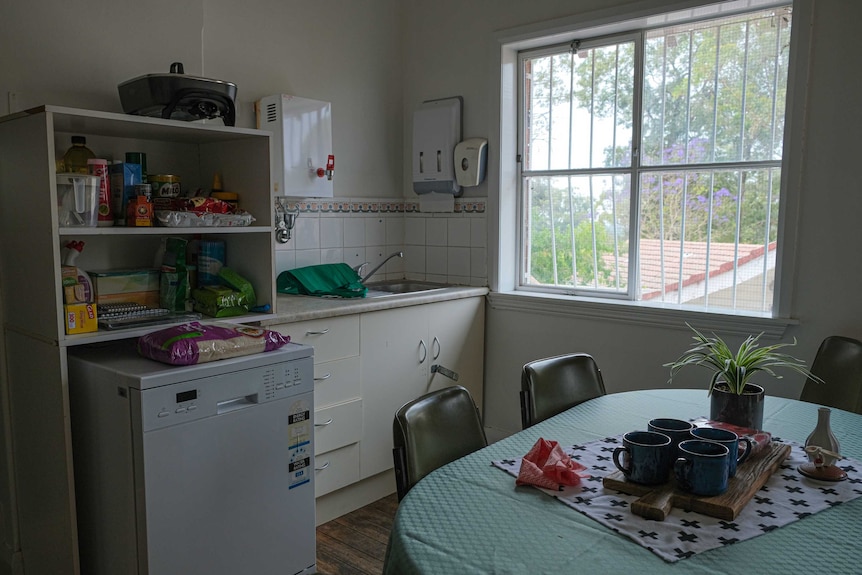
(470, 517)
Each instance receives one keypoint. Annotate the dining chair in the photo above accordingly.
(433, 430)
(554, 384)
(839, 364)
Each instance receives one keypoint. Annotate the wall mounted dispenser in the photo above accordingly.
(436, 132)
(301, 158)
(471, 158)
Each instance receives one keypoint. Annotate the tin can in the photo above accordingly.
(165, 185)
(145, 190)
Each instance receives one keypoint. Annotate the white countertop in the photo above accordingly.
(292, 308)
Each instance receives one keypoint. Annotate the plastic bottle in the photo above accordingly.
(83, 289)
(75, 158)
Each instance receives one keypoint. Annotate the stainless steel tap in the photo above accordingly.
(361, 266)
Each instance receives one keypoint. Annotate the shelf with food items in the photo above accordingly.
(188, 280)
(71, 175)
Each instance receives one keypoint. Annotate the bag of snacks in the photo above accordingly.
(194, 342)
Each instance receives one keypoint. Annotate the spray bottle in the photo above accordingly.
(77, 285)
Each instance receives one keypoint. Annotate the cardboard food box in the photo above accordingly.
(81, 318)
(124, 177)
(139, 212)
(127, 286)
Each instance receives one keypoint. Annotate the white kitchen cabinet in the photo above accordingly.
(367, 365)
(336, 469)
(41, 484)
(337, 425)
(337, 397)
(399, 348)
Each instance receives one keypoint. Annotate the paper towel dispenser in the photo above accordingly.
(436, 132)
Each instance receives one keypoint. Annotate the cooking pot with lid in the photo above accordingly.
(179, 97)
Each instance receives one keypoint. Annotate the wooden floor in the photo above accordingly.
(354, 544)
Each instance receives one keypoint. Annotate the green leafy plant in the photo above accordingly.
(735, 369)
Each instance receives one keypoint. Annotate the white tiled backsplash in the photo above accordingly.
(447, 248)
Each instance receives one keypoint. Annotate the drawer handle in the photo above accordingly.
(321, 332)
(322, 377)
(322, 467)
(424, 350)
(324, 424)
(436, 344)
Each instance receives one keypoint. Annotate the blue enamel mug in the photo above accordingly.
(702, 467)
(730, 440)
(677, 429)
(644, 457)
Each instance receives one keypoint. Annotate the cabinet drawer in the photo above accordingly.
(337, 426)
(336, 382)
(336, 469)
(332, 338)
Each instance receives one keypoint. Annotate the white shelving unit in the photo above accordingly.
(35, 384)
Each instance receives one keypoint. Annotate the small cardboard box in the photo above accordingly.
(124, 177)
(139, 212)
(81, 318)
(127, 285)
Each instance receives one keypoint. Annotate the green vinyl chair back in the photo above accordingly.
(433, 430)
(554, 384)
(839, 364)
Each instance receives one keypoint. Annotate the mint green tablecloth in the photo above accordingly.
(468, 517)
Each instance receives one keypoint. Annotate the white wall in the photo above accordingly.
(828, 276)
(76, 53)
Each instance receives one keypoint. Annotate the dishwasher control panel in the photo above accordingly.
(223, 393)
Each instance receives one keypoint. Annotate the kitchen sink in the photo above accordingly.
(382, 289)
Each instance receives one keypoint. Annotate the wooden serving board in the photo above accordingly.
(656, 501)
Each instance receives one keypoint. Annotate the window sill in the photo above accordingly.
(662, 315)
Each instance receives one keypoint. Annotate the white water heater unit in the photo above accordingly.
(301, 158)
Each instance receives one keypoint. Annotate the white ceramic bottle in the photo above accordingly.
(822, 437)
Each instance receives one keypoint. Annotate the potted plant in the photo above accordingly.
(734, 399)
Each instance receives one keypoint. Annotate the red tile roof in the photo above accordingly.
(694, 263)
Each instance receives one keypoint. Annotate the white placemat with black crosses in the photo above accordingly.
(786, 497)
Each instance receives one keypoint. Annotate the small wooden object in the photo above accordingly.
(656, 501)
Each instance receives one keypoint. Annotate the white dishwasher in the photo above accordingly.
(201, 469)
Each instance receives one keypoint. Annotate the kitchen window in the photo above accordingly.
(651, 163)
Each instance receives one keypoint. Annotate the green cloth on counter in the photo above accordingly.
(332, 280)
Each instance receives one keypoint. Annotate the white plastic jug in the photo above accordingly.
(77, 200)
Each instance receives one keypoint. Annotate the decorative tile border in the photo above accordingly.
(382, 206)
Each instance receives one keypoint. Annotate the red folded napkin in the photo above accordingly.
(546, 465)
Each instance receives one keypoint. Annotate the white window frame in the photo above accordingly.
(504, 209)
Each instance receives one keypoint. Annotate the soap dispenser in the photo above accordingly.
(471, 159)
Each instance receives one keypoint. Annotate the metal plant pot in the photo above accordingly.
(744, 410)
